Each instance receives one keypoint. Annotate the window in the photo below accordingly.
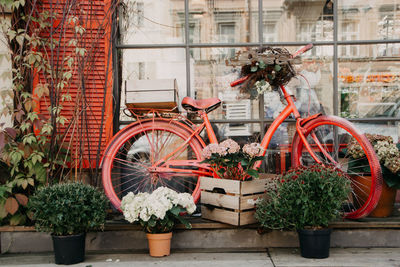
(156, 48)
(270, 33)
(349, 32)
(227, 35)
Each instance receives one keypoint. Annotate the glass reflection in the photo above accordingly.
(290, 21)
(152, 65)
(368, 84)
(368, 20)
(212, 78)
(152, 21)
(223, 21)
(313, 85)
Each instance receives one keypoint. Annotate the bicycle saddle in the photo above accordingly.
(207, 105)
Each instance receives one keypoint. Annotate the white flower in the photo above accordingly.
(143, 206)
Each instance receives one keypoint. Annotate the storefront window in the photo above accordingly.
(355, 74)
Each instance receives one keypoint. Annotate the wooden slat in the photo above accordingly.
(220, 215)
(230, 186)
(247, 217)
(220, 200)
(254, 186)
(247, 202)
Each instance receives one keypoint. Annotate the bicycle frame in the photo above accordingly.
(165, 164)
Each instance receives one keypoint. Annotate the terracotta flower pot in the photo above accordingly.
(385, 204)
(159, 244)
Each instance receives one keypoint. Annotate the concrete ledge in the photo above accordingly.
(135, 240)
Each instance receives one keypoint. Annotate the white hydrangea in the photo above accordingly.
(142, 206)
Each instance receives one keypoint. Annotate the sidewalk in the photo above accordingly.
(375, 257)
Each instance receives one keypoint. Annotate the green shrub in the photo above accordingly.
(67, 209)
(304, 197)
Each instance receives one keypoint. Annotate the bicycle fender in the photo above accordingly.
(306, 120)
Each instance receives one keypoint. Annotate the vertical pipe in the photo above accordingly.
(335, 59)
(187, 48)
(116, 88)
(335, 69)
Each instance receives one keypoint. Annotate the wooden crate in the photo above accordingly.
(230, 201)
(152, 94)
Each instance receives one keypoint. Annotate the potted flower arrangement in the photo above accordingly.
(157, 213)
(229, 161)
(306, 199)
(234, 166)
(389, 158)
(68, 211)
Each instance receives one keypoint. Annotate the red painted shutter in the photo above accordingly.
(87, 91)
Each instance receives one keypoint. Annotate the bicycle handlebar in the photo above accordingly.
(295, 54)
(239, 81)
(302, 50)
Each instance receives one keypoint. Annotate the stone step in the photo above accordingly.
(121, 236)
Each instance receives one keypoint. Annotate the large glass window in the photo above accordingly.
(353, 70)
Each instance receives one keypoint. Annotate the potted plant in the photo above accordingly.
(68, 211)
(306, 199)
(389, 158)
(230, 199)
(157, 213)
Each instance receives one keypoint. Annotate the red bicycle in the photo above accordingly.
(158, 150)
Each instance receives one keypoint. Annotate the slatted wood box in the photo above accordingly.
(230, 201)
(152, 94)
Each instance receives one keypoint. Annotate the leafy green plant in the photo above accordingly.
(304, 198)
(67, 209)
(229, 161)
(31, 146)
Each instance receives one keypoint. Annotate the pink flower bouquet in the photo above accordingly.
(229, 161)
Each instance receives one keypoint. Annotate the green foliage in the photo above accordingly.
(155, 225)
(305, 197)
(67, 209)
(32, 148)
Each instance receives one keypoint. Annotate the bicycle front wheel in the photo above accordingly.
(328, 137)
(129, 162)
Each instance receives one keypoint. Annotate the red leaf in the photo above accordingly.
(18, 115)
(11, 205)
(11, 132)
(22, 199)
(37, 123)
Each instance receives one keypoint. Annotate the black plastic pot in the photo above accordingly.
(69, 249)
(315, 243)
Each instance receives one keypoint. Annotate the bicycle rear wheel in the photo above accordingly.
(129, 161)
(332, 134)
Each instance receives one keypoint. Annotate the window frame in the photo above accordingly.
(262, 20)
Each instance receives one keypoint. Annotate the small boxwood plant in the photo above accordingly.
(68, 209)
(304, 198)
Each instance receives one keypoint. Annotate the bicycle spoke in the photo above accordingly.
(130, 168)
